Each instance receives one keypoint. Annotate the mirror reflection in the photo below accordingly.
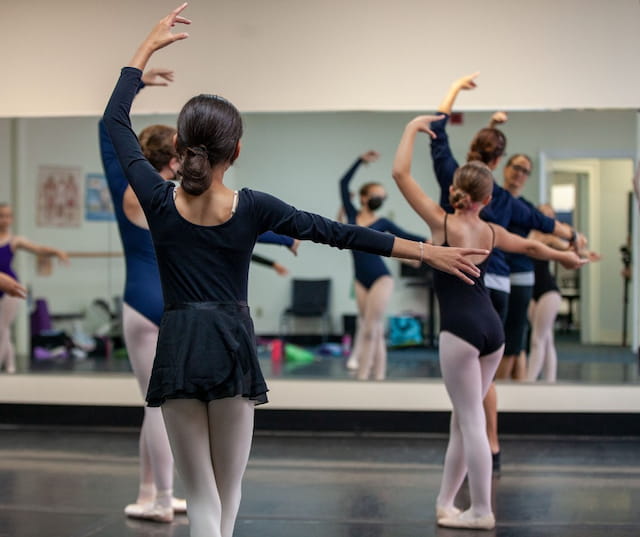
(72, 319)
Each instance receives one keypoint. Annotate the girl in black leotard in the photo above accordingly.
(206, 376)
(471, 337)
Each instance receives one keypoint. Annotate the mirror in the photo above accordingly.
(300, 158)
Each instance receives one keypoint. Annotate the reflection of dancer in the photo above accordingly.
(373, 281)
(10, 301)
(471, 337)
(11, 286)
(544, 307)
(206, 374)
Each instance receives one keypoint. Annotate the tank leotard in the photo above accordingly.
(6, 257)
(544, 280)
(369, 267)
(466, 310)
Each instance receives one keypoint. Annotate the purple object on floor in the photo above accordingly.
(40, 318)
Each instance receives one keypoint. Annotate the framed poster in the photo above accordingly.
(58, 201)
(98, 206)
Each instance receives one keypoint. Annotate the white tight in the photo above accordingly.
(370, 347)
(8, 310)
(542, 315)
(467, 378)
(211, 444)
(156, 461)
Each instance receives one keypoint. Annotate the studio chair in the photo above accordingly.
(309, 299)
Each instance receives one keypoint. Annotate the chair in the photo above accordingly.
(309, 298)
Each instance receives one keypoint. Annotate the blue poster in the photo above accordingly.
(98, 206)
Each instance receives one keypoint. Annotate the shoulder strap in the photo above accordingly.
(445, 228)
(493, 236)
(235, 202)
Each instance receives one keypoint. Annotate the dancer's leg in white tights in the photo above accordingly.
(156, 461)
(8, 310)
(361, 301)
(211, 444)
(467, 378)
(542, 314)
(372, 330)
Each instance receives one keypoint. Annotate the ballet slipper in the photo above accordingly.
(468, 520)
(149, 511)
(447, 512)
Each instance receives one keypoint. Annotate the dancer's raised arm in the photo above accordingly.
(427, 208)
(465, 83)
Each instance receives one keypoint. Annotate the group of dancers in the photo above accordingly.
(188, 241)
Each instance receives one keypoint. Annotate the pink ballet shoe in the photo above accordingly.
(444, 512)
(149, 511)
(179, 506)
(468, 520)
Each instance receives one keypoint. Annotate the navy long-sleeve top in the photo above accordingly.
(504, 209)
(369, 267)
(519, 263)
(211, 263)
(142, 288)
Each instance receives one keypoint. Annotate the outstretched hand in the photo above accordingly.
(572, 260)
(160, 36)
(498, 118)
(454, 260)
(467, 82)
(423, 124)
(12, 287)
(370, 156)
(157, 77)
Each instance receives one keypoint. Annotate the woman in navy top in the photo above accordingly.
(143, 305)
(471, 338)
(373, 281)
(206, 374)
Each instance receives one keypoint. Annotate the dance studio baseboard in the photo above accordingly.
(341, 406)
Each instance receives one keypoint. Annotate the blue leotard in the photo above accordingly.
(369, 267)
(6, 257)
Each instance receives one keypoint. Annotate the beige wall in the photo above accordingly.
(62, 58)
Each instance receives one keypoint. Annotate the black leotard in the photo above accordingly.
(544, 282)
(466, 310)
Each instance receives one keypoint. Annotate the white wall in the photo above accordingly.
(302, 55)
(298, 157)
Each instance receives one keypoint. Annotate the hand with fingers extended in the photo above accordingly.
(370, 156)
(467, 82)
(11, 286)
(280, 269)
(157, 77)
(423, 124)
(498, 118)
(160, 36)
(453, 260)
(571, 260)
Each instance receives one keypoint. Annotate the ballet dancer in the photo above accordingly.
(488, 146)
(206, 376)
(373, 281)
(143, 305)
(9, 302)
(544, 307)
(471, 340)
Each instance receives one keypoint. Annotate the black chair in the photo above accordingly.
(309, 298)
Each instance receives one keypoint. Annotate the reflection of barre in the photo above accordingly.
(94, 254)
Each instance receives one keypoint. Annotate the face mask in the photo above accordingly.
(375, 202)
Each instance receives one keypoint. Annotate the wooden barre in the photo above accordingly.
(94, 254)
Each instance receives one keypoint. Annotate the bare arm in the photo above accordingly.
(510, 242)
(11, 286)
(465, 83)
(159, 37)
(39, 249)
(428, 209)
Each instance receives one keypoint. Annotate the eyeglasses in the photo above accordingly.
(520, 169)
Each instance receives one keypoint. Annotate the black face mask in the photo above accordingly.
(375, 202)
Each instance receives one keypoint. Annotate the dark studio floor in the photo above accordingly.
(74, 483)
